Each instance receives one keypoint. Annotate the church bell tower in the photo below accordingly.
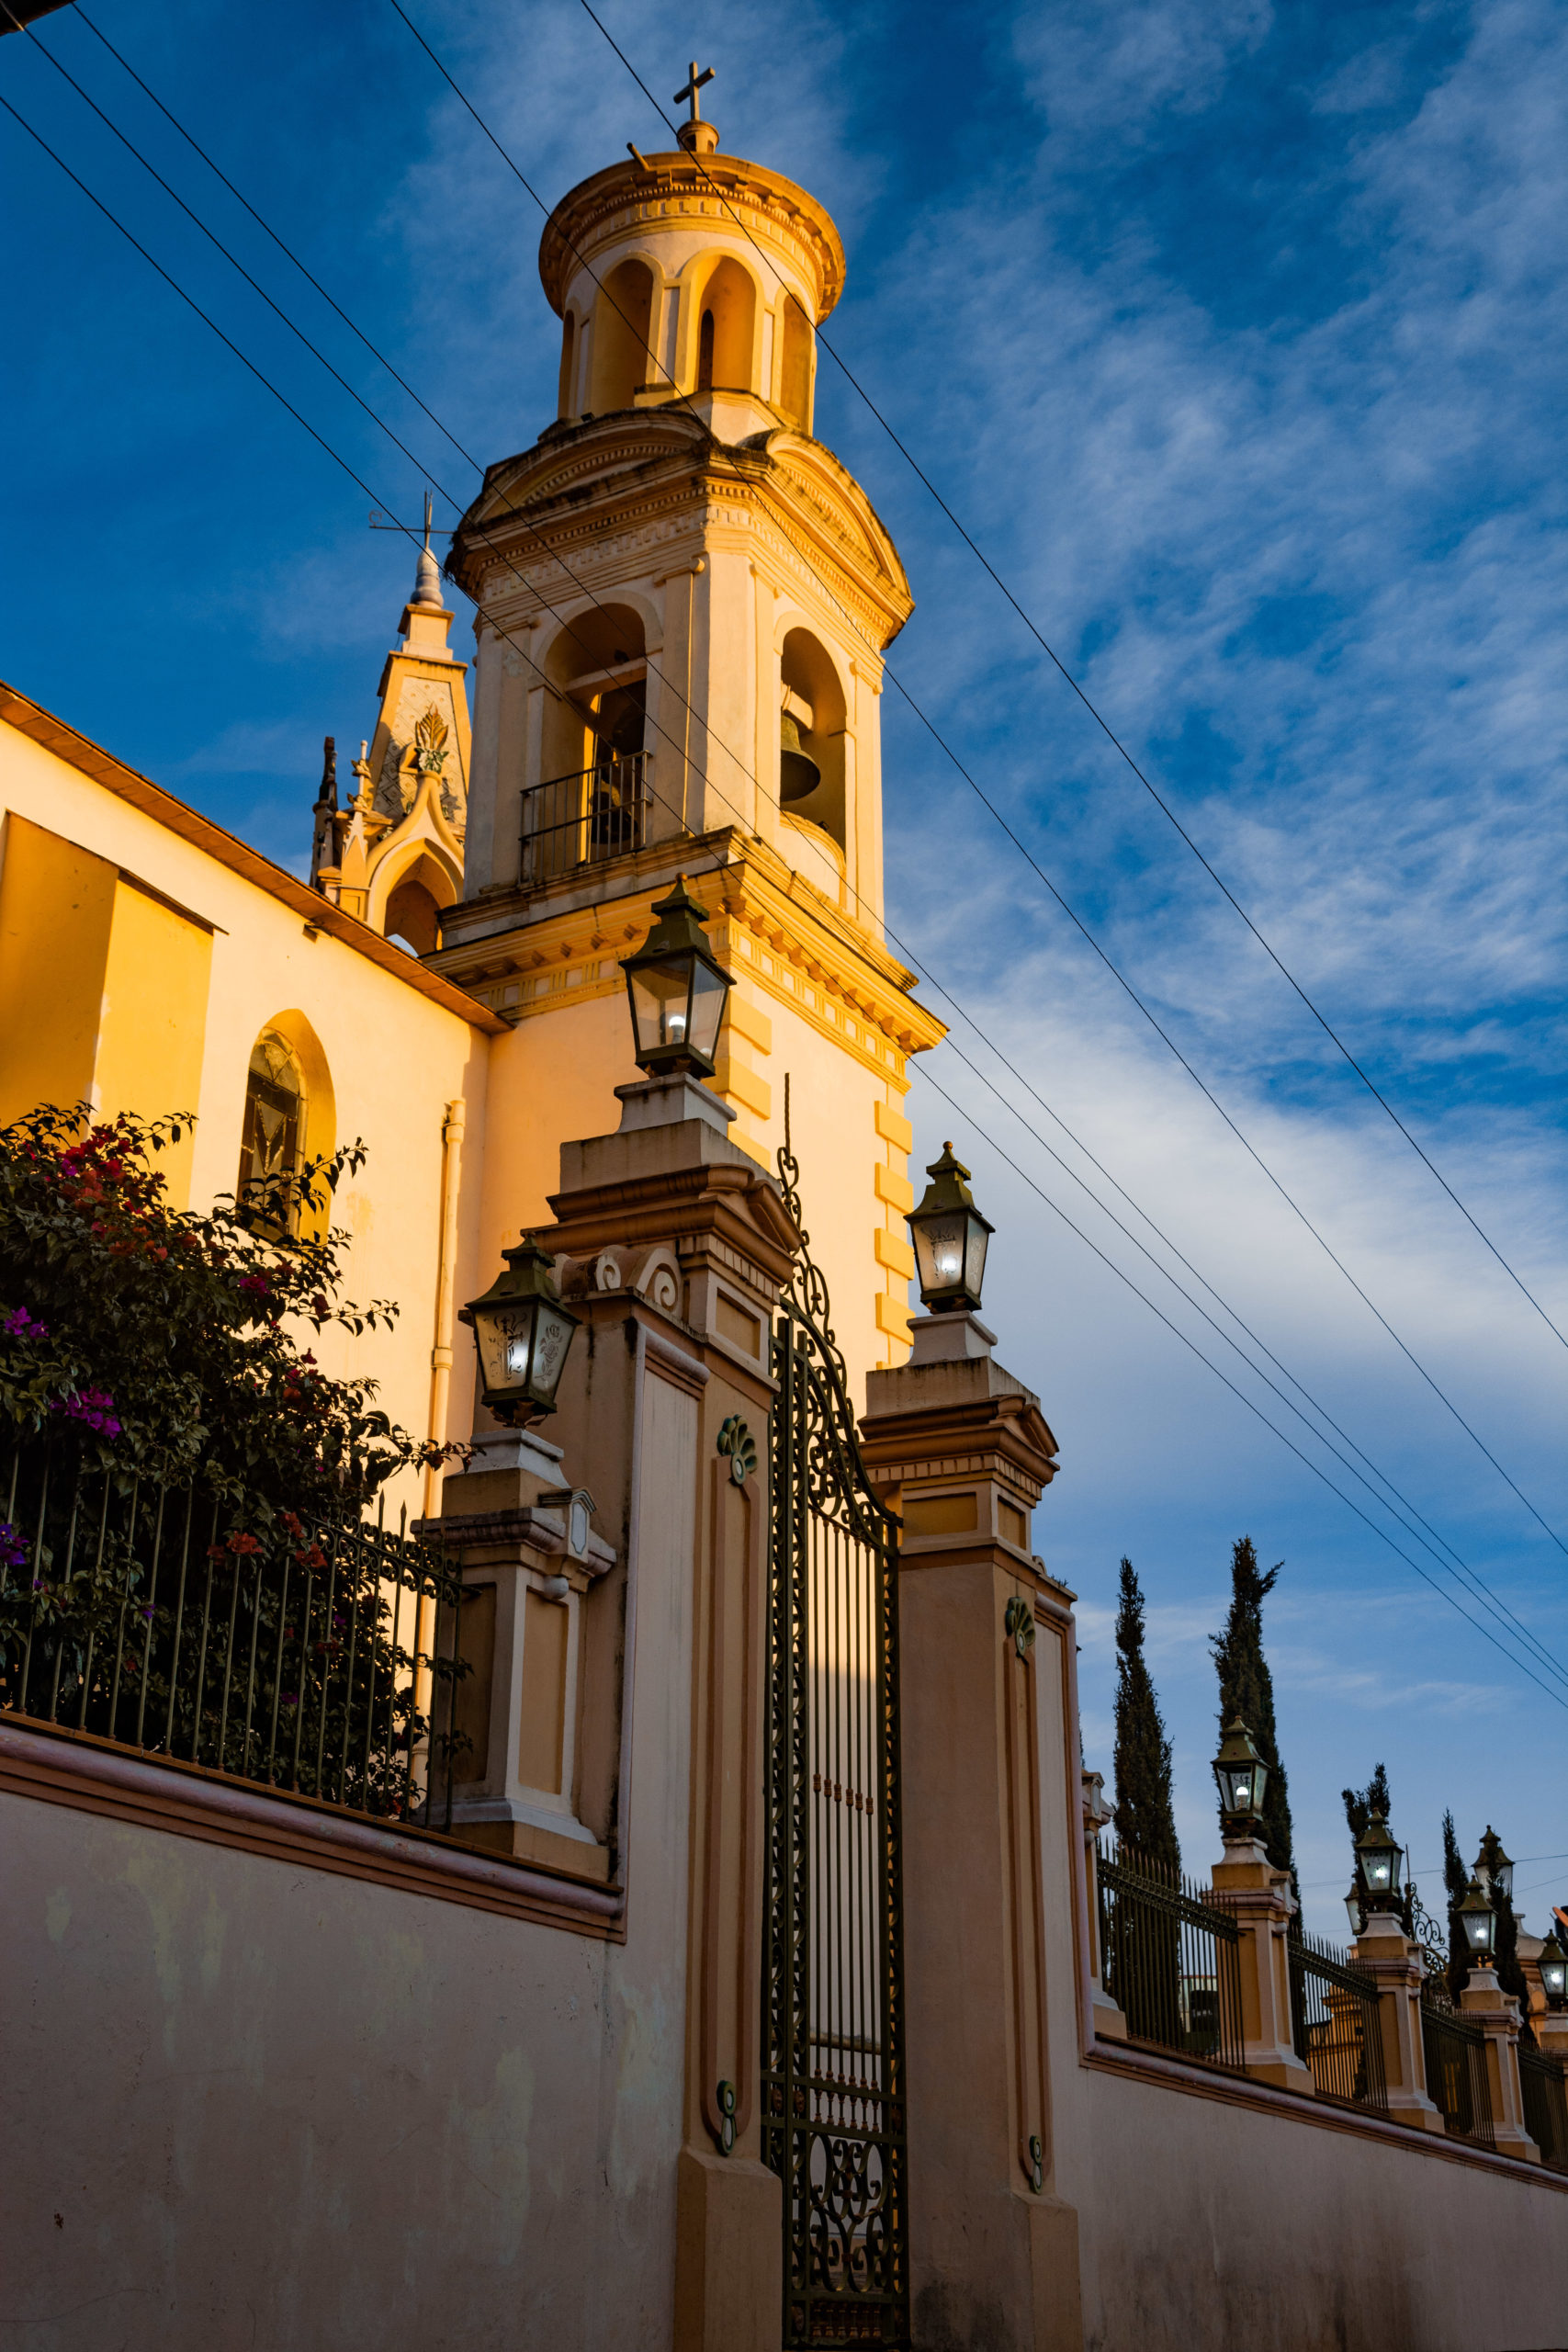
(684, 604)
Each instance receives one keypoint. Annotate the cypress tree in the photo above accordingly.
(1246, 1689)
(1456, 1879)
(1144, 1813)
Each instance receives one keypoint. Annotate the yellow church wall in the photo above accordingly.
(392, 1058)
(56, 912)
(153, 1024)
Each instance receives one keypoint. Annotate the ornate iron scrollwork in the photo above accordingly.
(833, 2073)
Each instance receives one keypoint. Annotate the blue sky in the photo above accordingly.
(1236, 335)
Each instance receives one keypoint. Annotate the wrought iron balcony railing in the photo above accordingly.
(576, 821)
(303, 1655)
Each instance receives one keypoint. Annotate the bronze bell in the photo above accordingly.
(799, 775)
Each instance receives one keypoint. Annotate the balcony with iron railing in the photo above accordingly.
(571, 821)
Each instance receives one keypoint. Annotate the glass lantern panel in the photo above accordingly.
(550, 1351)
(1554, 1975)
(939, 1245)
(974, 1258)
(1478, 1930)
(1378, 1868)
(708, 992)
(661, 1004)
(505, 1337)
(1240, 1780)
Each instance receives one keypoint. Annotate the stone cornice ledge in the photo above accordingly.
(61, 1768)
(1237, 2091)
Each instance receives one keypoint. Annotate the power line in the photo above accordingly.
(1100, 720)
(1241, 1394)
(367, 488)
(1491, 1599)
(1067, 910)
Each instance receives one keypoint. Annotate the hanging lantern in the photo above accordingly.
(1378, 1858)
(1241, 1774)
(522, 1334)
(950, 1239)
(799, 775)
(1353, 1907)
(1479, 1921)
(677, 988)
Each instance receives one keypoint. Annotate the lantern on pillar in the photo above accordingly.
(1553, 1966)
(1493, 1866)
(1241, 1775)
(1353, 1906)
(1378, 1859)
(951, 1238)
(677, 988)
(522, 1334)
(1479, 1921)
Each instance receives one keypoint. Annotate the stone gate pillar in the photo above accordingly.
(1383, 1948)
(673, 1245)
(962, 1452)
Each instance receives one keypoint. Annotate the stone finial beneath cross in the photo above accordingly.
(697, 137)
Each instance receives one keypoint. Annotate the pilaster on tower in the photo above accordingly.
(684, 600)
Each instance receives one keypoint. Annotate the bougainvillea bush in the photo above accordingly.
(181, 1485)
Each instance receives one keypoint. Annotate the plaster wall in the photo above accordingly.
(395, 1059)
(1203, 2223)
(1208, 2224)
(275, 2106)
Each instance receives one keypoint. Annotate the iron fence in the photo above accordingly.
(1335, 2022)
(1457, 2080)
(1169, 1960)
(573, 820)
(1543, 2083)
(300, 1655)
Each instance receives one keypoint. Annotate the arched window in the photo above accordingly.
(568, 363)
(272, 1140)
(811, 736)
(795, 371)
(413, 917)
(726, 330)
(623, 319)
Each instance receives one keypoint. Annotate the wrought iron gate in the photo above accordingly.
(832, 1993)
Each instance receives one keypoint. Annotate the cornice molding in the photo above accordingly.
(91, 1776)
(666, 188)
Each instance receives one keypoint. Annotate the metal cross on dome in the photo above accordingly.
(694, 84)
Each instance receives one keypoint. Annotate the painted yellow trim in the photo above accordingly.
(892, 1252)
(749, 1020)
(892, 1316)
(896, 1190)
(894, 1128)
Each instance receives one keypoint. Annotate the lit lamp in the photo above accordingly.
(1378, 1859)
(1479, 1921)
(677, 988)
(522, 1334)
(1553, 1966)
(950, 1238)
(1241, 1774)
